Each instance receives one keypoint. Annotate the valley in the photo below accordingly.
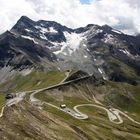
(79, 109)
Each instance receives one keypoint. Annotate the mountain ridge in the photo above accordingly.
(86, 48)
(62, 83)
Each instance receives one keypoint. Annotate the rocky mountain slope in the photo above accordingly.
(98, 50)
(39, 54)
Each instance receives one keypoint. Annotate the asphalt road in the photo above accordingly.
(113, 114)
(2, 110)
(19, 97)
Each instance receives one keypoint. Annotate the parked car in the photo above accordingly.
(63, 106)
(10, 96)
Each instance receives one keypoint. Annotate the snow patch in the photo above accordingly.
(44, 30)
(116, 31)
(103, 74)
(72, 43)
(100, 70)
(96, 52)
(99, 31)
(61, 50)
(73, 40)
(37, 27)
(125, 51)
(84, 45)
(29, 38)
(137, 56)
(42, 36)
(108, 38)
(52, 30)
(28, 30)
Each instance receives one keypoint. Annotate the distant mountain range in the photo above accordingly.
(45, 45)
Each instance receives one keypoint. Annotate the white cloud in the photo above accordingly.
(121, 14)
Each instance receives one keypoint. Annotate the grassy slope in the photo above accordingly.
(2, 99)
(98, 125)
(124, 96)
(35, 80)
(119, 95)
(93, 128)
(23, 121)
(70, 101)
(120, 68)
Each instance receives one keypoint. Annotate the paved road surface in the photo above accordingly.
(19, 97)
(122, 113)
(2, 110)
(111, 115)
(69, 111)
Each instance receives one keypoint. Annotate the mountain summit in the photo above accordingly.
(68, 84)
(98, 50)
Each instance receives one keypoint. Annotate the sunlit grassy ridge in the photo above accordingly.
(35, 80)
(2, 99)
(70, 101)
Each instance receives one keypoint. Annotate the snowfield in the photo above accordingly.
(29, 38)
(73, 42)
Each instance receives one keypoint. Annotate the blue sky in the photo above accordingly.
(84, 1)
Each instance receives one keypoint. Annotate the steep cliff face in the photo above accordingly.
(22, 53)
